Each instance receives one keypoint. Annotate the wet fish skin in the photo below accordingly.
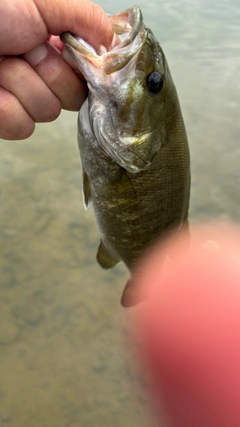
(133, 145)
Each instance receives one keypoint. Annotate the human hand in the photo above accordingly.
(35, 81)
(190, 329)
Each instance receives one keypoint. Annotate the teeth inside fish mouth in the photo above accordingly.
(129, 28)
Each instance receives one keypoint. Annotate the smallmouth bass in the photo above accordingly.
(132, 141)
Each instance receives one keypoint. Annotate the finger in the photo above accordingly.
(18, 78)
(15, 122)
(58, 76)
(190, 328)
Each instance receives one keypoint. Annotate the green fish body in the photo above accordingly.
(132, 141)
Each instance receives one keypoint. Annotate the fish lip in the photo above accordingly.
(135, 19)
(120, 55)
(72, 41)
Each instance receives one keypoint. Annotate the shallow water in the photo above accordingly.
(63, 358)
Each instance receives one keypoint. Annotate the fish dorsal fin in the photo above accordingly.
(86, 191)
(104, 258)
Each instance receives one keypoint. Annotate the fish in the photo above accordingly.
(133, 143)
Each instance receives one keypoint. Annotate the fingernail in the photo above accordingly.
(36, 55)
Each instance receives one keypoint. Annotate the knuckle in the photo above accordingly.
(12, 71)
(24, 84)
(27, 130)
(15, 123)
(50, 110)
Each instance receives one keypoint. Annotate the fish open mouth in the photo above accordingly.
(128, 26)
(108, 75)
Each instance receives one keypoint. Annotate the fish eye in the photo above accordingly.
(154, 82)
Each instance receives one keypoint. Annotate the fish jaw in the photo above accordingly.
(129, 28)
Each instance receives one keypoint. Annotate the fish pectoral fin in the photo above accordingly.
(126, 184)
(86, 191)
(104, 258)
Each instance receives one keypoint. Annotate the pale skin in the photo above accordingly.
(190, 327)
(37, 85)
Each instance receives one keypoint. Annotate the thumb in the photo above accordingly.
(190, 328)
